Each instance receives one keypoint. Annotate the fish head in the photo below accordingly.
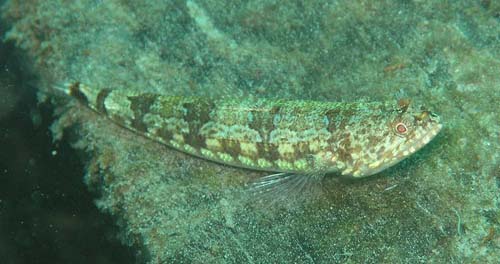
(389, 137)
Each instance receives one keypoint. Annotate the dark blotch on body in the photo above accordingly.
(74, 90)
(196, 115)
(101, 98)
(140, 105)
(231, 147)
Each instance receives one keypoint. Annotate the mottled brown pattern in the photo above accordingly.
(164, 134)
(198, 112)
(140, 106)
(355, 139)
(231, 147)
(268, 152)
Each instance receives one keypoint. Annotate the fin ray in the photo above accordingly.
(285, 185)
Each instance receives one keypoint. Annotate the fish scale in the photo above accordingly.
(292, 137)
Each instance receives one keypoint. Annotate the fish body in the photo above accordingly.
(289, 137)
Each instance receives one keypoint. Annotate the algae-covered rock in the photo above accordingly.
(439, 205)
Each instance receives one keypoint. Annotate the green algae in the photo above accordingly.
(437, 206)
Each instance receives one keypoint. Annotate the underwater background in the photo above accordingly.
(46, 214)
(76, 188)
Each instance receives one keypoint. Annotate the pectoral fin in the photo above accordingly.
(286, 185)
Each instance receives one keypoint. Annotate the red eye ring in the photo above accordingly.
(401, 128)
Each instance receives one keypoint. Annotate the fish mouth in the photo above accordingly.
(427, 137)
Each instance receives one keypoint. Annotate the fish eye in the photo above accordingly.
(401, 128)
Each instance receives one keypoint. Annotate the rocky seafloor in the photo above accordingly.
(440, 205)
